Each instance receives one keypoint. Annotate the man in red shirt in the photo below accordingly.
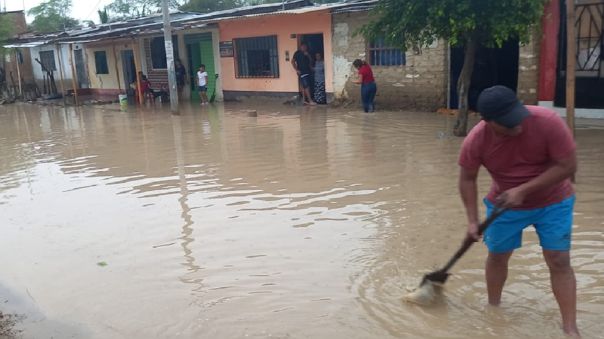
(530, 154)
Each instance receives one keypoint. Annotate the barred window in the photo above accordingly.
(158, 52)
(47, 58)
(380, 54)
(100, 61)
(257, 57)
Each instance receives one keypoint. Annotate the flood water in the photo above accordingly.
(297, 223)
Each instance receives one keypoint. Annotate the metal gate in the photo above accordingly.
(589, 26)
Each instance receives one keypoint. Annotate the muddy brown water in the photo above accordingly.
(298, 223)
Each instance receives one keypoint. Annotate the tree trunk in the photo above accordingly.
(463, 88)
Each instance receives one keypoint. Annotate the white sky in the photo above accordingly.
(81, 9)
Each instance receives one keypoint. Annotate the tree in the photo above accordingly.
(52, 16)
(467, 23)
(5, 28)
(207, 6)
(103, 15)
(128, 9)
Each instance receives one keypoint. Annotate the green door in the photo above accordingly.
(207, 58)
(199, 50)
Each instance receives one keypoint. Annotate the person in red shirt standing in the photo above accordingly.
(530, 154)
(368, 86)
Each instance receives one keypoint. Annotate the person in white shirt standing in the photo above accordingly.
(202, 77)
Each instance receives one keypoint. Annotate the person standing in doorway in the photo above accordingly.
(202, 78)
(302, 62)
(368, 86)
(319, 69)
(530, 153)
(181, 74)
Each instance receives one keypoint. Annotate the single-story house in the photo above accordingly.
(14, 62)
(250, 50)
(263, 46)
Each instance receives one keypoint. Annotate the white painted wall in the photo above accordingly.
(62, 61)
(588, 113)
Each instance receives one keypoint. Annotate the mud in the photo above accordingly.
(295, 223)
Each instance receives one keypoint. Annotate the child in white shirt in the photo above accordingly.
(202, 77)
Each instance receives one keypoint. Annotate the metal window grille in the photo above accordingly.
(380, 54)
(257, 57)
(590, 38)
(158, 51)
(100, 61)
(47, 58)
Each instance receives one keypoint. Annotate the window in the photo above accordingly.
(100, 61)
(47, 58)
(158, 52)
(257, 57)
(380, 54)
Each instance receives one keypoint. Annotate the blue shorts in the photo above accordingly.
(553, 224)
(203, 88)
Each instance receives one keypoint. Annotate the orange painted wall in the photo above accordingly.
(283, 26)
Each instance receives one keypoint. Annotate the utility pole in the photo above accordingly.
(170, 58)
(571, 63)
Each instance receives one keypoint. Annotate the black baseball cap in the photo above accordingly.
(500, 104)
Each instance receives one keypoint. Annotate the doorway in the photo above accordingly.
(493, 66)
(200, 51)
(80, 67)
(128, 68)
(315, 45)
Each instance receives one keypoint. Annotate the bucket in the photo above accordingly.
(123, 98)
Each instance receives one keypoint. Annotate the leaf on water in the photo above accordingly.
(101, 263)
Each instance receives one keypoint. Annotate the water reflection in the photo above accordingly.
(219, 224)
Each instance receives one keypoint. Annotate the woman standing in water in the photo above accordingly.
(319, 94)
(368, 86)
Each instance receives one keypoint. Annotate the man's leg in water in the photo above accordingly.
(564, 287)
(496, 271)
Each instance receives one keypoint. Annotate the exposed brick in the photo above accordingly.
(421, 84)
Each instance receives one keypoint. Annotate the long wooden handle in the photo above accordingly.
(468, 241)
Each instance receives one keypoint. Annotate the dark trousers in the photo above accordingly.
(368, 96)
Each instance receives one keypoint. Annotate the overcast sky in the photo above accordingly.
(81, 10)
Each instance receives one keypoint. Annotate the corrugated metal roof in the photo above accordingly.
(26, 44)
(153, 24)
(356, 6)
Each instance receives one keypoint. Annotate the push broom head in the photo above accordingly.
(426, 293)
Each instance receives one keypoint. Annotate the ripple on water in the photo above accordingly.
(303, 223)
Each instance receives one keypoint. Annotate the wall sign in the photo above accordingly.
(226, 49)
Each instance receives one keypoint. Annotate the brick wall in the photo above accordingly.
(157, 77)
(528, 70)
(421, 84)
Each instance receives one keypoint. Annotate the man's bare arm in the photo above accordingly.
(561, 170)
(468, 190)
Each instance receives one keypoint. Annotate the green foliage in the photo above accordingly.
(52, 16)
(206, 6)
(103, 15)
(5, 27)
(407, 23)
(128, 9)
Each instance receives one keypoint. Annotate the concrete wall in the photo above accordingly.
(113, 82)
(61, 54)
(420, 84)
(284, 26)
(528, 70)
